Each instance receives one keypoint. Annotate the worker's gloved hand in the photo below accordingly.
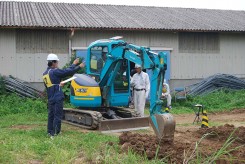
(76, 61)
(82, 65)
(62, 84)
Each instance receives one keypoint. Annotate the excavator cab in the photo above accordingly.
(119, 88)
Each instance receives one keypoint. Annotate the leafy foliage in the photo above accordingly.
(12, 104)
(66, 87)
(2, 86)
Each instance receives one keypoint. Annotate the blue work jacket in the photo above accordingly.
(55, 74)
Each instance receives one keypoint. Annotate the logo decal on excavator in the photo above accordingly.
(82, 90)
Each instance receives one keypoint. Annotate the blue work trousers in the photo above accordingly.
(55, 114)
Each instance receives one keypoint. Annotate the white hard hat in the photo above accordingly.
(137, 66)
(124, 73)
(52, 57)
(105, 49)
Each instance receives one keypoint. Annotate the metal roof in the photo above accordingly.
(91, 16)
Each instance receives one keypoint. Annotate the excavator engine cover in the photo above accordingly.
(85, 92)
(163, 125)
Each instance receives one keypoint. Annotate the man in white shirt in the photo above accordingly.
(166, 94)
(141, 84)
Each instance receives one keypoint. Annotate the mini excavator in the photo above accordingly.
(102, 95)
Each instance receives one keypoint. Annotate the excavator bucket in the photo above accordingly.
(125, 124)
(163, 126)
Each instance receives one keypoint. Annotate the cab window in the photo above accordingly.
(98, 58)
(121, 83)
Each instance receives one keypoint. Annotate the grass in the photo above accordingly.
(23, 132)
(12, 104)
(220, 101)
(24, 139)
(224, 100)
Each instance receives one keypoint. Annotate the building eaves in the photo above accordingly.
(91, 16)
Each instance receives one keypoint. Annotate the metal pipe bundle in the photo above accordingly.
(214, 83)
(21, 88)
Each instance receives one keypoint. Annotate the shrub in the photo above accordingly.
(12, 104)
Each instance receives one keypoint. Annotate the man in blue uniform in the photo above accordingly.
(52, 80)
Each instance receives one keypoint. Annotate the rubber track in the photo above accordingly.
(96, 117)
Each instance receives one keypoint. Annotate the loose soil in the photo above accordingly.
(235, 117)
(187, 135)
(35, 162)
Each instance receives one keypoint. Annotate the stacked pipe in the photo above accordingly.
(214, 83)
(21, 88)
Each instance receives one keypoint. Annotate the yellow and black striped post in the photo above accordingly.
(204, 119)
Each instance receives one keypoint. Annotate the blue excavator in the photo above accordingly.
(102, 95)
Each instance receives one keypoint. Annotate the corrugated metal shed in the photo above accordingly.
(91, 16)
(23, 52)
(7, 52)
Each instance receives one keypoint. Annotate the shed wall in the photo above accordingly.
(229, 59)
(20, 59)
(7, 52)
(23, 53)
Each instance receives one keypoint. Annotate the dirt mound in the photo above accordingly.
(184, 144)
(223, 132)
(149, 145)
(220, 134)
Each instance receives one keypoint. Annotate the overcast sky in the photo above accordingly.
(209, 4)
